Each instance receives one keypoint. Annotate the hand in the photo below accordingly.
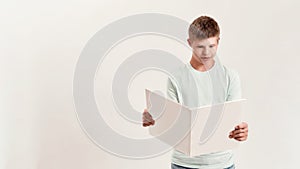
(240, 132)
(147, 119)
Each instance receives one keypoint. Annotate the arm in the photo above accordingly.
(240, 131)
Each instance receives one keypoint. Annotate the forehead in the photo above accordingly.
(207, 41)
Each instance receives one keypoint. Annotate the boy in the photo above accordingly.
(214, 84)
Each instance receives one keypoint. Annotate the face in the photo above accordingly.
(204, 50)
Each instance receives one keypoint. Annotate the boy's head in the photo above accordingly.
(203, 27)
(204, 35)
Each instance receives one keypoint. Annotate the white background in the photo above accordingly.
(40, 43)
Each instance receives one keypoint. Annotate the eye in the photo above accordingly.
(200, 46)
(211, 46)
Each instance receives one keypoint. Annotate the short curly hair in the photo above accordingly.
(203, 27)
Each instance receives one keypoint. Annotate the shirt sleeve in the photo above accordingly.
(234, 89)
(172, 91)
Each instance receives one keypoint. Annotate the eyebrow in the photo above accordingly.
(208, 45)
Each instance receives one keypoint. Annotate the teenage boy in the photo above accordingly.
(214, 84)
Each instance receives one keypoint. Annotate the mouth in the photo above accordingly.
(205, 58)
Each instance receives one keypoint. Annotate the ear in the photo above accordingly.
(218, 40)
(189, 42)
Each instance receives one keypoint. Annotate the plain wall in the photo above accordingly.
(41, 42)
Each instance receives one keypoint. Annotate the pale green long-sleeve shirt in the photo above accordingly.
(193, 88)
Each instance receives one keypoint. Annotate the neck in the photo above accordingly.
(200, 66)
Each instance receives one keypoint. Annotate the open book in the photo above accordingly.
(194, 131)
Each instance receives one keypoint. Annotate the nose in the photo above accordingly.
(205, 51)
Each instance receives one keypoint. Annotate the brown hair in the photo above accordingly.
(203, 27)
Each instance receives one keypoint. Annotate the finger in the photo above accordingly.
(241, 138)
(240, 131)
(231, 134)
(235, 131)
(147, 114)
(146, 124)
(148, 120)
(152, 122)
(240, 135)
